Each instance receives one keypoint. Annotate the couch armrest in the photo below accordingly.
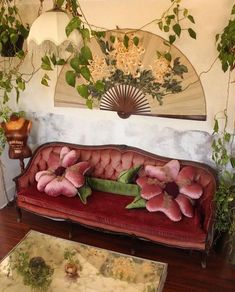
(37, 162)
(206, 203)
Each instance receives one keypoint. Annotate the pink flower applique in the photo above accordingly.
(64, 175)
(170, 190)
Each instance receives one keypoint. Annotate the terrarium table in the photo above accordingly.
(46, 263)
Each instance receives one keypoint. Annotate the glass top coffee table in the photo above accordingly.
(42, 262)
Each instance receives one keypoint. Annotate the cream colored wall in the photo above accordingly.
(210, 16)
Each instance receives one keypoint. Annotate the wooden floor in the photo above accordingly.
(184, 269)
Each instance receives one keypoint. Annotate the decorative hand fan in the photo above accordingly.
(139, 81)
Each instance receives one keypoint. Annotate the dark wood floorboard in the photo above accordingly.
(184, 270)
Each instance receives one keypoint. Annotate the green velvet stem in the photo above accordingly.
(113, 187)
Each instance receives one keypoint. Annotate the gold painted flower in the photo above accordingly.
(99, 68)
(128, 59)
(160, 67)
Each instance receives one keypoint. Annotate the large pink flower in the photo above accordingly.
(170, 190)
(64, 175)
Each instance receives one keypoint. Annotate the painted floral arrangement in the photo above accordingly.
(122, 64)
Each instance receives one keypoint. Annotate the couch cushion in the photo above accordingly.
(108, 211)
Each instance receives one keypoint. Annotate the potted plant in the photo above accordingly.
(223, 146)
(12, 31)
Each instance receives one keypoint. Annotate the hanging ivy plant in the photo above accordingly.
(226, 44)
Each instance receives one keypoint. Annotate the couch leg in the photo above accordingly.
(70, 230)
(204, 259)
(19, 214)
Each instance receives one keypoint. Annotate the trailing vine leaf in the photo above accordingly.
(190, 17)
(177, 29)
(85, 34)
(86, 53)
(70, 77)
(46, 63)
(74, 23)
(45, 79)
(85, 72)
(75, 63)
(172, 39)
(99, 86)
(232, 161)
(192, 33)
(83, 90)
(89, 103)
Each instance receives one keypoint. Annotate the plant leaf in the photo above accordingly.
(89, 103)
(232, 161)
(74, 23)
(233, 10)
(216, 126)
(70, 77)
(75, 64)
(83, 90)
(177, 29)
(192, 33)
(85, 72)
(86, 53)
(190, 17)
(85, 34)
(172, 39)
(99, 86)
(46, 63)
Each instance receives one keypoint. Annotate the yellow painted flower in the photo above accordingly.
(160, 67)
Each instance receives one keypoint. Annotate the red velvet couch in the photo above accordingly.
(107, 211)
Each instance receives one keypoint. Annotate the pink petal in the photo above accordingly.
(166, 204)
(156, 172)
(53, 160)
(81, 167)
(75, 173)
(172, 169)
(60, 186)
(186, 176)
(44, 180)
(193, 191)
(75, 178)
(69, 159)
(149, 187)
(42, 172)
(185, 205)
(165, 173)
(145, 180)
(203, 179)
(64, 150)
(149, 191)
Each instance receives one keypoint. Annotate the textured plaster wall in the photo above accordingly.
(180, 139)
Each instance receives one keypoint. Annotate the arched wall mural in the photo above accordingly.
(179, 85)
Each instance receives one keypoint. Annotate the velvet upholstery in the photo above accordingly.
(107, 211)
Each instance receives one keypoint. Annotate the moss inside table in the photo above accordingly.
(41, 262)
